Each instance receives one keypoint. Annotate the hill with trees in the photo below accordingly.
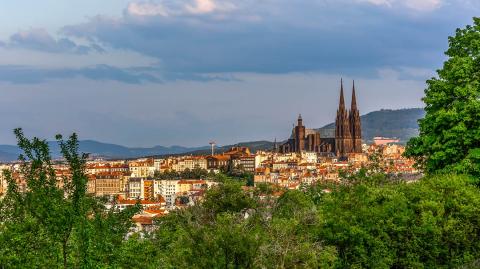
(400, 123)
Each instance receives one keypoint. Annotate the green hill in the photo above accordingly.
(401, 123)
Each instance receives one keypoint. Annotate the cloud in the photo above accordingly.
(416, 5)
(16, 74)
(193, 39)
(423, 5)
(285, 36)
(40, 40)
(147, 9)
(31, 75)
(177, 8)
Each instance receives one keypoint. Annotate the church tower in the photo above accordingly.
(300, 135)
(355, 124)
(343, 136)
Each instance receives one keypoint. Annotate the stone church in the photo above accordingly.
(347, 138)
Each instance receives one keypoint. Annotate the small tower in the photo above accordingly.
(300, 135)
(212, 145)
(275, 146)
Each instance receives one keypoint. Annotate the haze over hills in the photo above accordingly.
(107, 150)
(400, 123)
(386, 122)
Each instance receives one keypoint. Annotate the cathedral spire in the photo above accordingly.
(342, 99)
(354, 98)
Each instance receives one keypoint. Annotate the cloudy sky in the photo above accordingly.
(184, 72)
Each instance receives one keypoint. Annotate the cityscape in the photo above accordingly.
(240, 134)
(163, 184)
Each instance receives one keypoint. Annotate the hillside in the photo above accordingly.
(400, 123)
(253, 146)
(99, 149)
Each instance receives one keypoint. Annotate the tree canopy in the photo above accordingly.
(449, 137)
(53, 223)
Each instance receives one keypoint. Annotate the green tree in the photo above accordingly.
(227, 197)
(432, 223)
(293, 203)
(53, 222)
(450, 132)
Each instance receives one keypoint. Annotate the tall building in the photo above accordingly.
(343, 136)
(348, 129)
(347, 136)
(355, 124)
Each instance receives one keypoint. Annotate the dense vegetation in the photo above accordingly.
(47, 226)
(450, 132)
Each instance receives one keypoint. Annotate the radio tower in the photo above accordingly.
(212, 144)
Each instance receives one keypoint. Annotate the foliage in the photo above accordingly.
(431, 224)
(196, 173)
(450, 132)
(227, 197)
(53, 223)
(199, 173)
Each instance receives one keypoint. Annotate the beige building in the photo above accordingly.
(142, 168)
(189, 163)
(110, 183)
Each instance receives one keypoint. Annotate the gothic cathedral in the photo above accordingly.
(348, 133)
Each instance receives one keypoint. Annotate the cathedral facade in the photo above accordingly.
(347, 138)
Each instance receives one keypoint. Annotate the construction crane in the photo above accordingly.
(212, 144)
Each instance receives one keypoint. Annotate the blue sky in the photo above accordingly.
(165, 72)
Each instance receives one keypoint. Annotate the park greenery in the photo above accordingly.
(450, 132)
(366, 221)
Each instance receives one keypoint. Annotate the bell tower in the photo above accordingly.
(300, 135)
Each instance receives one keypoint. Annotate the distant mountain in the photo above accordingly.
(401, 123)
(386, 122)
(99, 149)
(253, 146)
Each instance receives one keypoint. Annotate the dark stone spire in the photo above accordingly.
(342, 99)
(343, 135)
(355, 124)
(354, 98)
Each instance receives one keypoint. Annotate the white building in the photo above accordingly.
(168, 189)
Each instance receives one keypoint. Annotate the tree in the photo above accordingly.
(293, 203)
(53, 222)
(432, 223)
(227, 197)
(450, 132)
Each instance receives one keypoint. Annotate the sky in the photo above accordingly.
(185, 72)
